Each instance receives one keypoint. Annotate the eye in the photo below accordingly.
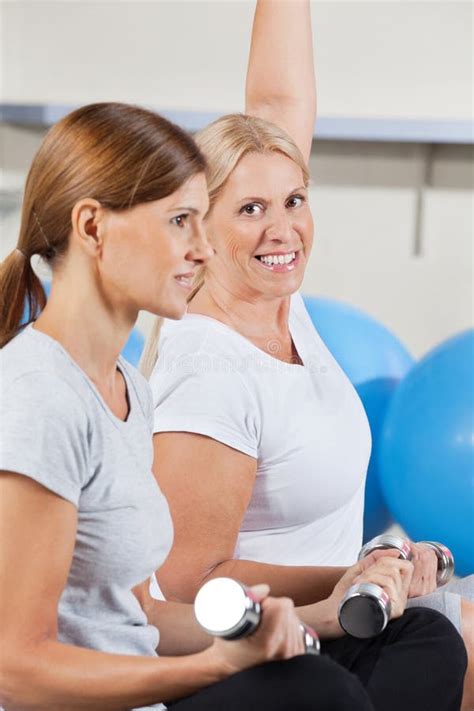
(295, 201)
(180, 220)
(252, 208)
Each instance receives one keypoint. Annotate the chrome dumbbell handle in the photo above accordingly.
(311, 641)
(445, 561)
(384, 542)
(226, 608)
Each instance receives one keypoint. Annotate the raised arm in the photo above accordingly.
(281, 85)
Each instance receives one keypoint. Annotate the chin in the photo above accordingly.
(291, 287)
(172, 310)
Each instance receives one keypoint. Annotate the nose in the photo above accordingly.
(279, 230)
(200, 250)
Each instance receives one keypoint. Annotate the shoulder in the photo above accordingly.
(40, 393)
(203, 364)
(188, 335)
(36, 375)
(200, 345)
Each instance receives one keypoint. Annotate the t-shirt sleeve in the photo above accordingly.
(215, 404)
(44, 434)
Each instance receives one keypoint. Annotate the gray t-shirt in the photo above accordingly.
(57, 430)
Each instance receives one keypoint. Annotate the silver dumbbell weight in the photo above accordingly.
(443, 554)
(365, 609)
(226, 608)
(385, 542)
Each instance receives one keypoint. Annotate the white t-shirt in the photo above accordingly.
(304, 424)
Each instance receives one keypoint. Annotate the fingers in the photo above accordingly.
(377, 555)
(278, 636)
(425, 567)
(392, 586)
(394, 576)
(260, 591)
(281, 627)
(425, 564)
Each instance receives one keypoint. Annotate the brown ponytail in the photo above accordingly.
(118, 154)
(19, 287)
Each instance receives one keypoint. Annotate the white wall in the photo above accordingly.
(408, 59)
(364, 200)
(389, 59)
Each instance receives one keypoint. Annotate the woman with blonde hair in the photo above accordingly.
(261, 443)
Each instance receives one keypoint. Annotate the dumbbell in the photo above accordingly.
(226, 608)
(365, 609)
(443, 554)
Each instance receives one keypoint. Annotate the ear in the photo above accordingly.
(87, 219)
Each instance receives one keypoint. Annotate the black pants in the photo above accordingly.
(416, 664)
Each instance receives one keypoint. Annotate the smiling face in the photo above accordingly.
(151, 252)
(261, 228)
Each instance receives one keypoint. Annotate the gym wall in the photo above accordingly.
(390, 236)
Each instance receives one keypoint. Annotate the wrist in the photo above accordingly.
(322, 616)
(214, 664)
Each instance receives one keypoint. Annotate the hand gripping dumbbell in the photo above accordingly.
(365, 609)
(226, 608)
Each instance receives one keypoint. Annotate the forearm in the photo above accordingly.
(322, 617)
(56, 677)
(281, 65)
(304, 584)
(309, 587)
(179, 631)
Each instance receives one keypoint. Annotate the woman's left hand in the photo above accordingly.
(425, 565)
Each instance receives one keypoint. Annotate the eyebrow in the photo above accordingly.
(193, 210)
(255, 197)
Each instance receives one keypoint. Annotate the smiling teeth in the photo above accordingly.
(271, 259)
(185, 281)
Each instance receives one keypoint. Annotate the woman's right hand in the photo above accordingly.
(383, 568)
(278, 636)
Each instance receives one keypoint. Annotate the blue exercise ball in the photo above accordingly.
(427, 450)
(133, 348)
(375, 361)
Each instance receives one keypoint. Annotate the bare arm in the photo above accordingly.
(179, 630)
(37, 671)
(281, 85)
(208, 487)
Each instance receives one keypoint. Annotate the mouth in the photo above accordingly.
(185, 280)
(279, 261)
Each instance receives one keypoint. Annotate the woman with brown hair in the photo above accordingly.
(114, 203)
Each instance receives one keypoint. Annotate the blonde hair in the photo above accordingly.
(224, 143)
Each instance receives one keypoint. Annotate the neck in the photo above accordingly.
(77, 316)
(250, 314)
